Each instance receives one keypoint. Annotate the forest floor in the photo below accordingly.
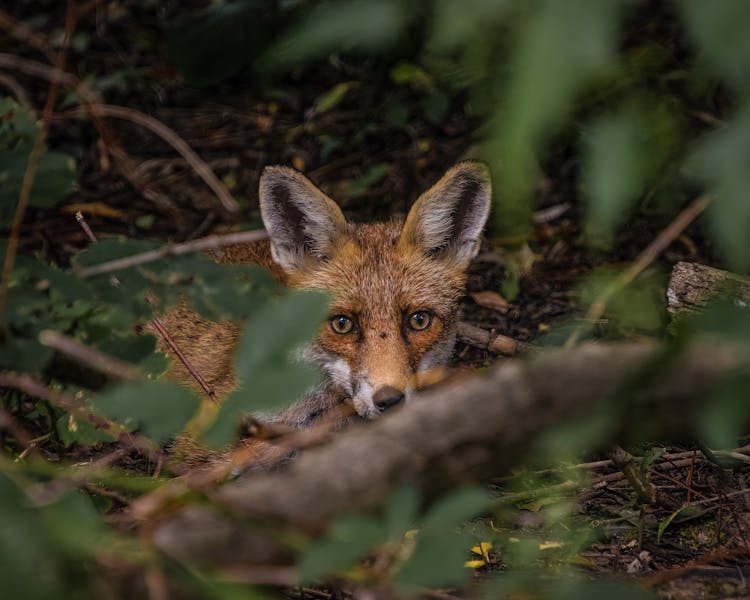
(364, 153)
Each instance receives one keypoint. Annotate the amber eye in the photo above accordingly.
(420, 320)
(341, 324)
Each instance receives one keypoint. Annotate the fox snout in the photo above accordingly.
(387, 397)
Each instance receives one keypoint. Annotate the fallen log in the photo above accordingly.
(693, 285)
(463, 432)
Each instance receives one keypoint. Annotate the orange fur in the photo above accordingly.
(397, 284)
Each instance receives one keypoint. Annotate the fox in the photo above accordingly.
(395, 289)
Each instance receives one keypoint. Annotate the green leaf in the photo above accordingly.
(722, 418)
(436, 105)
(111, 249)
(369, 178)
(438, 560)
(77, 431)
(54, 179)
(29, 563)
(723, 37)
(405, 72)
(638, 307)
(160, 409)
(440, 553)
(458, 23)
(455, 508)
(401, 510)
(335, 26)
(595, 590)
(561, 47)
(73, 522)
(55, 175)
(623, 153)
(616, 170)
(221, 40)
(720, 162)
(269, 379)
(667, 522)
(332, 98)
(346, 541)
(131, 348)
(277, 329)
(23, 354)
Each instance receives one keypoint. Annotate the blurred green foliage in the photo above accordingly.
(56, 172)
(533, 74)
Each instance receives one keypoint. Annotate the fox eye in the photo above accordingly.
(420, 320)
(341, 324)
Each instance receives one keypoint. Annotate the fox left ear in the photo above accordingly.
(448, 219)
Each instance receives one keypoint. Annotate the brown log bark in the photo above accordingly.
(461, 433)
(692, 286)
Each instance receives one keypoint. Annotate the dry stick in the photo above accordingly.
(9, 423)
(32, 387)
(23, 33)
(30, 172)
(85, 226)
(95, 109)
(155, 321)
(673, 459)
(169, 136)
(678, 483)
(100, 361)
(644, 259)
(49, 492)
(645, 491)
(183, 359)
(15, 88)
(489, 340)
(690, 477)
(206, 243)
(261, 575)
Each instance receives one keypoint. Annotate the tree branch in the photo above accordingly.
(461, 433)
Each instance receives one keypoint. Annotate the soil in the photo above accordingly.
(238, 129)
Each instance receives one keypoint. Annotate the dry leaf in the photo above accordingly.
(491, 300)
(98, 209)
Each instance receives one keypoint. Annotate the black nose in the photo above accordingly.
(387, 397)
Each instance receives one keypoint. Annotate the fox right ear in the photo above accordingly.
(302, 222)
(447, 220)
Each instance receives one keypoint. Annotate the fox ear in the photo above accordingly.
(302, 222)
(447, 220)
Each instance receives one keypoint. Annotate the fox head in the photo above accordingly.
(395, 285)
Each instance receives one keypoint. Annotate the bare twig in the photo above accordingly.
(37, 69)
(32, 387)
(85, 226)
(17, 90)
(169, 136)
(644, 490)
(260, 575)
(644, 259)
(100, 361)
(96, 110)
(23, 33)
(159, 326)
(27, 384)
(9, 423)
(206, 243)
(489, 340)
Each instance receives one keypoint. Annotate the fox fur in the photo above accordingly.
(395, 289)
